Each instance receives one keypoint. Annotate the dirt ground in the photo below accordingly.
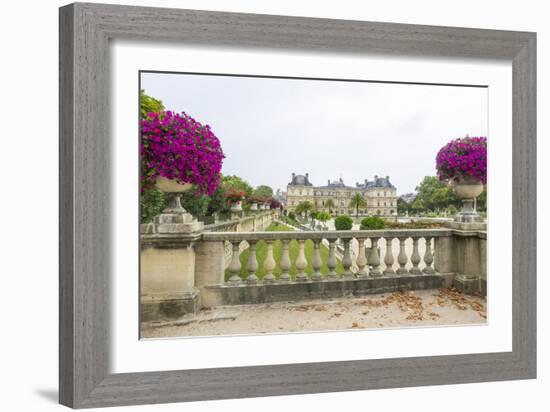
(398, 309)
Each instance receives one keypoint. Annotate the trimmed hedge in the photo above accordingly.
(343, 222)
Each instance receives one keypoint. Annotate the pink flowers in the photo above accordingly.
(463, 157)
(178, 147)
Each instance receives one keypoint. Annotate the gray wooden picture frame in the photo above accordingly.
(85, 32)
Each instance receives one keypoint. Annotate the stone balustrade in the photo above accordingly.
(368, 261)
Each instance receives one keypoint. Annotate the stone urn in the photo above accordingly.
(237, 206)
(174, 189)
(254, 206)
(467, 189)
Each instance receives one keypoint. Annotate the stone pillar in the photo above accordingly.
(471, 256)
(209, 270)
(167, 260)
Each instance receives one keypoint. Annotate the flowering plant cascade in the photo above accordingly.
(465, 157)
(178, 147)
(234, 197)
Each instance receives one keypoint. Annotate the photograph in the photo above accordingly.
(280, 205)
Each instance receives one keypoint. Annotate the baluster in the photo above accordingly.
(402, 257)
(285, 262)
(346, 260)
(331, 262)
(388, 259)
(415, 258)
(235, 265)
(374, 258)
(428, 257)
(301, 262)
(252, 263)
(317, 262)
(361, 260)
(269, 264)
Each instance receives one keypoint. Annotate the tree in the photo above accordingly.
(323, 217)
(263, 191)
(432, 194)
(148, 104)
(232, 183)
(402, 206)
(304, 207)
(357, 201)
(329, 204)
(343, 222)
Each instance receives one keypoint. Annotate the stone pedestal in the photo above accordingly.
(167, 259)
(470, 257)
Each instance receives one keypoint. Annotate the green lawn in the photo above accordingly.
(261, 253)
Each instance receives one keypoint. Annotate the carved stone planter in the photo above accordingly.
(467, 189)
(237, 206)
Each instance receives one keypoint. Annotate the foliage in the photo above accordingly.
(463, 157)
(432, 194)
(373, 223)
(195, 203)
(329, 204)
(343, 222)
(263, 191)
(481, 201)
(402, 206)
(148, 104)
(234, 197)
(292, 215)
(304, 206)
(217, 202)
(151, 204)
(178, 147)
(323, 216)
(357, 201)
(236, 184)
(415, 225)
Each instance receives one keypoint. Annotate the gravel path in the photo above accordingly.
(399, 309)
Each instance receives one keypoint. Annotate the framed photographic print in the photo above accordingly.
(258, 205)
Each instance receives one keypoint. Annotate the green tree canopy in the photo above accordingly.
(433, 194)
(304, 207)
(323, 216)
(263, 191)
(357, 201)
(329, 204)
(148, 104)
(236, 184)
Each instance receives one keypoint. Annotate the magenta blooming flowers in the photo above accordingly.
(178, 147)
(463, 157)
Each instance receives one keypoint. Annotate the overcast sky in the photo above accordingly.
(269, 128)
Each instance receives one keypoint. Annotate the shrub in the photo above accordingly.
(343, 222)
(323, 216)
(373, 223)
(292, 215)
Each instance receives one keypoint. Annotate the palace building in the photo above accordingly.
(379, 194)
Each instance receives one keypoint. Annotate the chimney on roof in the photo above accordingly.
(293, 174)
(375, 177)
(366, 182)
(328, 182)
(388, 178)
(307, 175)
(341, 181)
